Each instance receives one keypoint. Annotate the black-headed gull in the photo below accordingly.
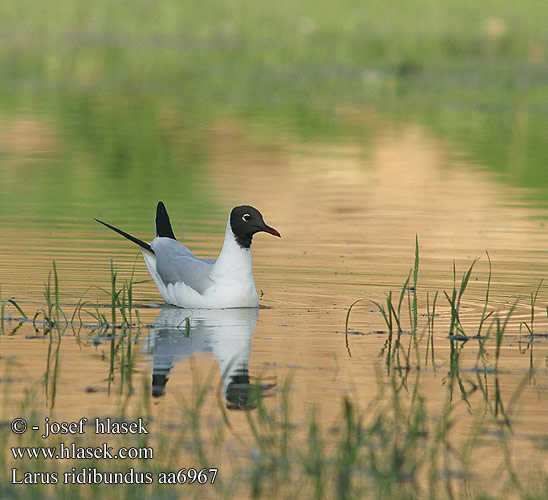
(186, 281)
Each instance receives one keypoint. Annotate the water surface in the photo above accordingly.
(349, 214)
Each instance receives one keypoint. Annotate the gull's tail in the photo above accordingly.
(142, 244)
(163, 225)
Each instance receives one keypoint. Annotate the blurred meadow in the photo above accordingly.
(113, 92)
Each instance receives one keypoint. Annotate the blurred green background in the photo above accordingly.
(108, 101)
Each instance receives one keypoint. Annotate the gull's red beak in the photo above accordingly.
(271, 230)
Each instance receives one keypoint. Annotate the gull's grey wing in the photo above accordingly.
(176, 263)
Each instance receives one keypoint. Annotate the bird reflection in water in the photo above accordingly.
(227, 333)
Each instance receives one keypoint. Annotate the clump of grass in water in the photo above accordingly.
(51, 320)
(456, 334)
(52, 324)
(393, 352)
(122, 301)
(4, 319)
(120, 346)
(54, 327)
(53, 311)
(458, 339)
(430, 339)
(52, 315)
(529, 345)
(393, 319)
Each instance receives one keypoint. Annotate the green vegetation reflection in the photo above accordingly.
(120, 95)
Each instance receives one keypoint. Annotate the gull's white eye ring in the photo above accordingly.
(246, 217)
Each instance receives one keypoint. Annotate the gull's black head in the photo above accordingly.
(245, 221)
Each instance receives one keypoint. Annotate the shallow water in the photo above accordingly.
(348, 211)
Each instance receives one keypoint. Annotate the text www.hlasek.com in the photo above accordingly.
(79, 452)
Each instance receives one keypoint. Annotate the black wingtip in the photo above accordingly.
(163, 225)
(139, 242)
